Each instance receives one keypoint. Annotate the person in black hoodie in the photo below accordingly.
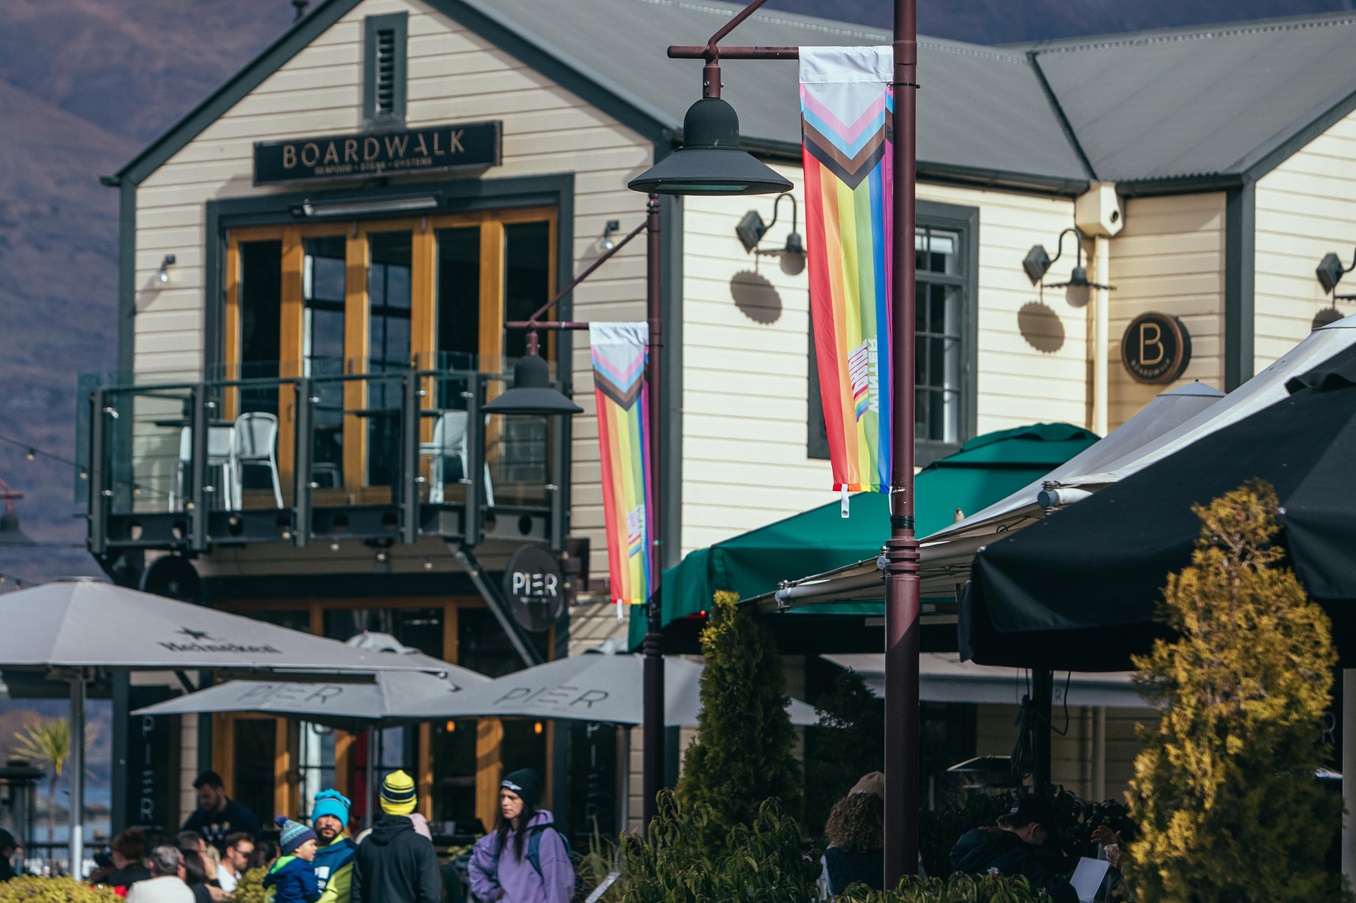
(1015, 846)
(394, 864)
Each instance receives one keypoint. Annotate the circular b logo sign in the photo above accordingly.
(1156, 348)
(535, 587)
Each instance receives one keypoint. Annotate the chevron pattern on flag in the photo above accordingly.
(847, 124)
(620, 351)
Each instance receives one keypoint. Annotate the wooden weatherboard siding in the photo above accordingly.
(1169, 258)
(745, 347)
(1306, 207)
(454, 76)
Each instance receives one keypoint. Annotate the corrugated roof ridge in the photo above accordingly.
(844, 29)
(827, 26)
(1196, 33)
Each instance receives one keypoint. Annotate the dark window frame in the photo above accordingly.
(398, 25)
(943, 217)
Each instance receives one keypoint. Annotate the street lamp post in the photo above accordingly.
(902, 608)
(514, 401)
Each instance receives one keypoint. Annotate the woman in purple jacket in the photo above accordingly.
(524, 860)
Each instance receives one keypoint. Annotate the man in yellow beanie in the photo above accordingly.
(394, 863)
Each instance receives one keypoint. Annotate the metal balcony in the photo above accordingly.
(381, 458)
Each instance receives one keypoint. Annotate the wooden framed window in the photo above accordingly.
(354, 304)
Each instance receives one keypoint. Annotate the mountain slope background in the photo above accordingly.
(86, 84)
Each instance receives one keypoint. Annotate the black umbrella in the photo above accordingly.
(1080, 589)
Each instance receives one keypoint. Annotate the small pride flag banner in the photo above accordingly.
(847, 127)
(623, 397)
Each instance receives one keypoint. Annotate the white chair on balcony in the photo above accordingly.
(449, 438)
(218, 456)
(254, 443)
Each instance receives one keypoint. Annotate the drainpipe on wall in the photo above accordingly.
(1097, 213)
(1101, 316)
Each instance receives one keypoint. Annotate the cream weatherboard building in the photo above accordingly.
(317, 263)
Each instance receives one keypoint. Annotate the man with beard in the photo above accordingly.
(334, 859)
(217, 815)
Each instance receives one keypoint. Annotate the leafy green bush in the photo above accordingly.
(960, 889)
(35, 889)
(759, 861)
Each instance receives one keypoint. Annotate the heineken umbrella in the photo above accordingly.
(347, 706)
(81, 625)
(1079, 590)
(594, 687)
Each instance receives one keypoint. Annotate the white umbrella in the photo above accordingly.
(591, 687)
(352, 707)
(81, 625)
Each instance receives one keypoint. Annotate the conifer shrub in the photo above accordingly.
(743, 753)
(1224, 788)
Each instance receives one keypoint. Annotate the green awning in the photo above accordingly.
(984, 470)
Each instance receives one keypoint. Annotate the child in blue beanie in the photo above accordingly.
(292, 878)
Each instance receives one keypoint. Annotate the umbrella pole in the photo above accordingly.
(77, 805)
(368, 819)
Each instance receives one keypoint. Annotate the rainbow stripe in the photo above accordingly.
(623, 401)
(847, 122)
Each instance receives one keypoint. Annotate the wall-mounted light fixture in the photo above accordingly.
(162, 275)
(751, 230)
(1330, 272)
(1038, 262)
(309, 209)
(605, 243)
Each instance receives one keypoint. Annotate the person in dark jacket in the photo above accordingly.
(291, 879)
(218, 816)
(1015, 846)
(394, 863)
(129, 861)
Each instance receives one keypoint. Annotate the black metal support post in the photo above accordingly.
(302, 478)
(98, 464)
(411, 393)
(1042, 693)
(652, 767)
(199, 499)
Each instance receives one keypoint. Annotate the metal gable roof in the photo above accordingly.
(1150, 107)
(1213, 101)
(979, 108)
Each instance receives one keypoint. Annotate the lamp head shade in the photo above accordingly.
(710, 161)
(10, 534)
(532, 392)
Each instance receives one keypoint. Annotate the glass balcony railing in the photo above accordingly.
(389, 454)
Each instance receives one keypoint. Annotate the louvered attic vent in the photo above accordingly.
(386, 72)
